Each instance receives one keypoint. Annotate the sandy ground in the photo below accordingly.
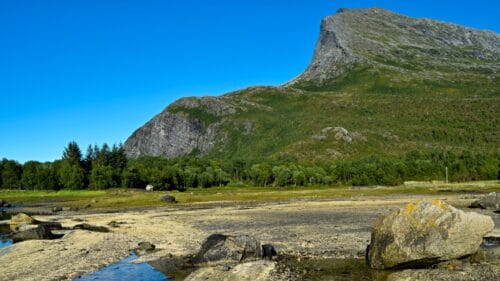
(333, 228)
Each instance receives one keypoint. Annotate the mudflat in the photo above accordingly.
(327, 228)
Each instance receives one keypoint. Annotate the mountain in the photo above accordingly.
(378, 83)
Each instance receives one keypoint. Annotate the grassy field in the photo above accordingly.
(133, 198)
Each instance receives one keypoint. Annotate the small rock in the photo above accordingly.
(226, 267)
(57, 209)
(150, 187)
(168, 199)
(89, 227)
(268, 251)
(146, 246)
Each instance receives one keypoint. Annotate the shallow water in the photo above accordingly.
(336, 269)
(4, 230)
(124, 270)
(4, 236)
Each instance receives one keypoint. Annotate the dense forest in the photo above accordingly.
(108, 167)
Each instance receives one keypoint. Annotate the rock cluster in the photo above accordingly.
(236, 258)
(25, 228)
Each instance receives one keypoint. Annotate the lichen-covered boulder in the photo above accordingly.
(219, 247)
(424, 233)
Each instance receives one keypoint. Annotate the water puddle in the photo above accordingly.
(5, 236)
(125, 270)
(4, 231)
(336, 269)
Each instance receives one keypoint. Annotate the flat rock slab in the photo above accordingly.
(251, 271)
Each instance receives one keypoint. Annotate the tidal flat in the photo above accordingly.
(312, 232)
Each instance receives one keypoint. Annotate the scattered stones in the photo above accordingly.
(41, 231)
(89, 227)
(168, 199)
(150, 187)
(220, 247)
(424, 233)
(489, 201)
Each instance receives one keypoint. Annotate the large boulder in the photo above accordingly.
(489, 201)
(20, 219)
(219, 247)
(41, 231)
(425, 233)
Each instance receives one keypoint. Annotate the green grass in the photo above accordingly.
(130, 198)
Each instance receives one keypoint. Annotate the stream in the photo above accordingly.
(125, 270)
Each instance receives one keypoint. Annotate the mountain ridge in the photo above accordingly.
(355, 74)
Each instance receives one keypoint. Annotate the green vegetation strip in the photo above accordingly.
(132, 198)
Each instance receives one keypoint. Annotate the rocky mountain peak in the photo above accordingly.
(378, 36)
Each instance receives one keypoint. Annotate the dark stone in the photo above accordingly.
(89, 227)
(146, 246)
(268, 251)
(168, 199)
(219, 247)
(52, 225)
(40, 232)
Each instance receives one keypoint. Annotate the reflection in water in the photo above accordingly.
(124, 270)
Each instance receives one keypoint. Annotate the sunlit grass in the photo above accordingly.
(134, 198)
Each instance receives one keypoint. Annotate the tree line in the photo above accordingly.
(105, 167)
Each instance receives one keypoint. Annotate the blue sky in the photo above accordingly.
(93, 71)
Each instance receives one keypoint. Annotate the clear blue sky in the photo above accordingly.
(93, 71)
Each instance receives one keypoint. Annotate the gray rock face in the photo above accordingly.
(425, 233)
(188, 124)
(378, 36)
